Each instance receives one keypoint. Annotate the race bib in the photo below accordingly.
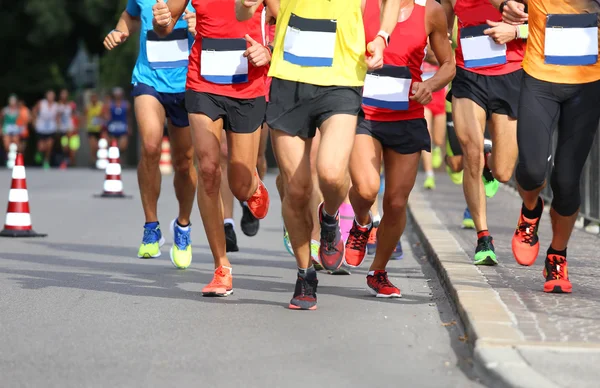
(96, 121)
(169, 52)
(222, 61)
(571, 40)
(388, 88)
(310, 42)
(480, 50)
(117, 127)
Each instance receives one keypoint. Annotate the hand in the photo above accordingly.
(514, 13)
(501, 32)
(190, 18)
(257, 54)
(421, 93)
(249, 3)
(162, 14)
(375, 49)
(114, 38)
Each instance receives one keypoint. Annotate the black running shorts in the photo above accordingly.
(404, 136)
(494, 93)
(239, 115)
(299, 109)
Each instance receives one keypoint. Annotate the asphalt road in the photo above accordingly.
(77, 309)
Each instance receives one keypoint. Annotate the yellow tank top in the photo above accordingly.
(320, 42)
(558, 62)
(94, 119)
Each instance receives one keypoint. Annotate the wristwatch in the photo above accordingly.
(385, 36)
(501, 8)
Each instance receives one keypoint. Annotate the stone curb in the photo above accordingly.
(491, 328)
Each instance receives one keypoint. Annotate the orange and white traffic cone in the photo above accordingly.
(165, 164)
(113, 186)
(18, 219)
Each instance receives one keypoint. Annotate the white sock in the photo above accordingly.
(229, 268)
(184, 228)
(371, 273)
(377, 218)
(229, 221)
(429, 173)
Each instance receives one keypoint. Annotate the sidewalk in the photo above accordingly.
(521, 336)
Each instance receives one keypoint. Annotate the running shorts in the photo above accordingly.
(240, 115)
(173, 103)
(298, 109)
(494, 93)
(11, 129)
(404, 136)
(437, 106)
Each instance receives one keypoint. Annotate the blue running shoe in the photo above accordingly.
(151, 242)
(398, 254)
(467, 222)
(181, 251)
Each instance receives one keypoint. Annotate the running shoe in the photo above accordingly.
(258, 203)
(356, 245)
(485, 254)
(230, 239)
(467, 222)
(525, 241)
(372, 243)
(46, 166)
(429, 183)
(305, 294)
(455, 177)
(250, 224)
(221, 284)
(557, 275)
(398, 254)
(314, 255)
(286, 242)
(490, 183)
(181, 251)
(381, 287)
(151, 242)
(331, 251)
(39, 158)
(436, 157)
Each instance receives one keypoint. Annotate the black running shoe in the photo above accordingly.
(332, 247)
(230, 239)
(485, 254)
(250, 224)
(305, 294)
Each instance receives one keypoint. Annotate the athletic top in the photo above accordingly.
(386, 91)
(217, 63)
(94, 117)
(320, 42)
(477, 52)
(118, 118)
(65, 113)
(568, 54)
(162, 62)
(9, 117)
(46, 119)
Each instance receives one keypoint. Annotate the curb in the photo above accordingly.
(491, 328)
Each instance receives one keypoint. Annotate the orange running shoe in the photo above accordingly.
(525, 242)
(222, 283)
(557, 275)
(258, 203)
(356, 245)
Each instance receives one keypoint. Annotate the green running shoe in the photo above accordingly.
(490, 183)
(467, 222)
(314, 254)
(485, 253)
(429, 183)
(181, 251)
(287, 243)
(151, 242)
(436, 157)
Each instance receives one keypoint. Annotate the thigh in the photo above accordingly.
(293, 158)
(288, 110)
(400, 174)
(503, 130)
(206, 137)
(150, 117)
(264, 139)
(337, 140)
(181, 141)
(330, 101)
(469, 121)
(314, 151)
(242, 148)
(429, 120)
(365, 163)
(439, 128)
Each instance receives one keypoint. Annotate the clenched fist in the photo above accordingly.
(421, 93)
(257, 54)
(162, 14)
(114, 38)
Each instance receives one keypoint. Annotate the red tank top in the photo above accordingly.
(480, 54)
(402, 66)
(216, 63)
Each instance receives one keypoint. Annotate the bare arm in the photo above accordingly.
(430, 55)
(166, 15)
(442, 50)
(244, 9)
(449, 11)
(128, 24)
(390, 12)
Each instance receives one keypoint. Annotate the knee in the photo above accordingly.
(367, 190)
(530, 177)
(566, 197)
(331, 176)
(151, 151)
(182, 161)
(395, 204)
(210, 173)
(455, 163)
(503, 173)
(298, 192)
(473, 154)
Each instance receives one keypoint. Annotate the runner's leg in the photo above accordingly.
(503, 130)
(185, 179)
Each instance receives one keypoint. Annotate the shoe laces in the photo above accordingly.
(484, 244)
(151, 235)
(182, 238)
(218, 278)
(304, 287)
(358, 238)
(328, 236)
(372, 236)
(556, 267)
(382, 279)
(526, 231)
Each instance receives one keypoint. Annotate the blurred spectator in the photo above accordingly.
(67, 128)
(10, 128)
(23, 122)
(46, 122)
(94, 124)
(117, 117)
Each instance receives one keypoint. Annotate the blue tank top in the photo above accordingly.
(118, 118)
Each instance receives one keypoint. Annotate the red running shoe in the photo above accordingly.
(258, 203)
(381, 287)
(557, 275)
(332, 247)
(305, 294)
(525, 242)
(356, 246)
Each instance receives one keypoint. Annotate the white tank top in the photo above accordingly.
(65, 112)
(46, 120)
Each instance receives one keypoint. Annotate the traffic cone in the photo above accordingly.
(113, 187)
(165, 164)
(102, 155)
(18, 219)
(12, 155)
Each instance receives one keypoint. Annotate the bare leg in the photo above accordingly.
(185, 179)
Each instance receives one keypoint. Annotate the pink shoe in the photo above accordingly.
(346, 220)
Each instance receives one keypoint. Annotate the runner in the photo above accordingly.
(561, 87)
(94, 123)
(46, 122)
(23, 121)
(318, 70)
(393, 125)
(225, 90)
(117, 117)
(10, 128)
(158, 90)
(66, 128)
(485, 89)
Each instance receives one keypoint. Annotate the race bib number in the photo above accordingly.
(169, 52)
(571, 40)
(479, 50)
(310, 42)
(222, 61)
(388, 88)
